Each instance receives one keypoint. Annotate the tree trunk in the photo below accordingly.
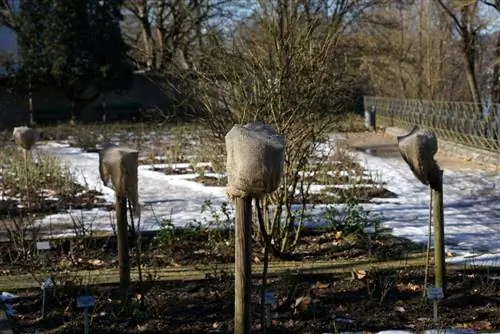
(495, 84)
(147, 37)
(470, 64)
(31, 121)
(76, 111)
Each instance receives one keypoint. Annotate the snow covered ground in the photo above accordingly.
(471, 199)
(471, 208)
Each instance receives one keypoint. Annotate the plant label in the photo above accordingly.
(43, 245)
(47, 283)
(85, 301)
(369, 230)
(435, 293)
(269, 298)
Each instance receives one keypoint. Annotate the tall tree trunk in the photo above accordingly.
(76, 111)
(495, 85)
(31, 121)
(147, 37)
(470, 68)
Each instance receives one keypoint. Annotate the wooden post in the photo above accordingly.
(439, 253)
(123, 248)
(243, 266)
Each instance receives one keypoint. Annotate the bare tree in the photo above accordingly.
(286, 66)
(7, 13)
(495, 82)
(411, 50)
(465, 17)
(172, 31)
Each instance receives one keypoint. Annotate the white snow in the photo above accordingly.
(471, 202)
(471, 208)
(162, 196)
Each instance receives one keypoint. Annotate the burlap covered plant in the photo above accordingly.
(25, 137)
(118, 170)
(418, 149)
(255, 158)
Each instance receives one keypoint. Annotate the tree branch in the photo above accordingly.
(452, 15)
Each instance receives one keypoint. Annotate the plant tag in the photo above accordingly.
(85, 301)
(269, 298)
(47, 283)
(43, 245)
(435, 293)
(370, 230)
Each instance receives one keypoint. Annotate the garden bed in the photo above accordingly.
(306, 303)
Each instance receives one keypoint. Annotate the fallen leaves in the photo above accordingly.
(302, 304)
(358, 274)
(321, 286)
(481, 325)
(409, 287)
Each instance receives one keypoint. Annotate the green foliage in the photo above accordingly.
(217, 222)
(75, 46)
(166, 234)
(214, 223)
(352, 219)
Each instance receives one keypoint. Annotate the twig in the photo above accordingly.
(267, 243)
(138, 239)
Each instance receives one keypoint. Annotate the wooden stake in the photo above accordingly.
(243, 266)
(25, 155)
(123, 247)
(439, 254)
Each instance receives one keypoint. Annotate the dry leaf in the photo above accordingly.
(142, 328)
(175, 264)
(339, 235)
(358, 274)
(481, 325)
(96, 262)
(409, 287)
(302, 303)
(320, 285)
(399, 309)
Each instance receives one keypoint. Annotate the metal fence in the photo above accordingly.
(460, 122)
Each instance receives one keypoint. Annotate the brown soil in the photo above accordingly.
(305, 304)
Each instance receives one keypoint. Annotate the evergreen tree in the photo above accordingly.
(76, 46)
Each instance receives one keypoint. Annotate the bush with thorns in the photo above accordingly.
(285, 72)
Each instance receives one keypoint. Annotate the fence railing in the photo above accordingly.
(470, 124)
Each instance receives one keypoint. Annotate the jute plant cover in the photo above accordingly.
(418, 149)
(118, 169)
(25, 137)
(255, 158)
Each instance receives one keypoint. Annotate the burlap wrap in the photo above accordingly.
(118, 169)
(25, 137)
(418, 149)
(255, 158)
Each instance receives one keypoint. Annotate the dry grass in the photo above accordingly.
(44, 177)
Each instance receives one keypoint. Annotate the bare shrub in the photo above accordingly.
(284, 70)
